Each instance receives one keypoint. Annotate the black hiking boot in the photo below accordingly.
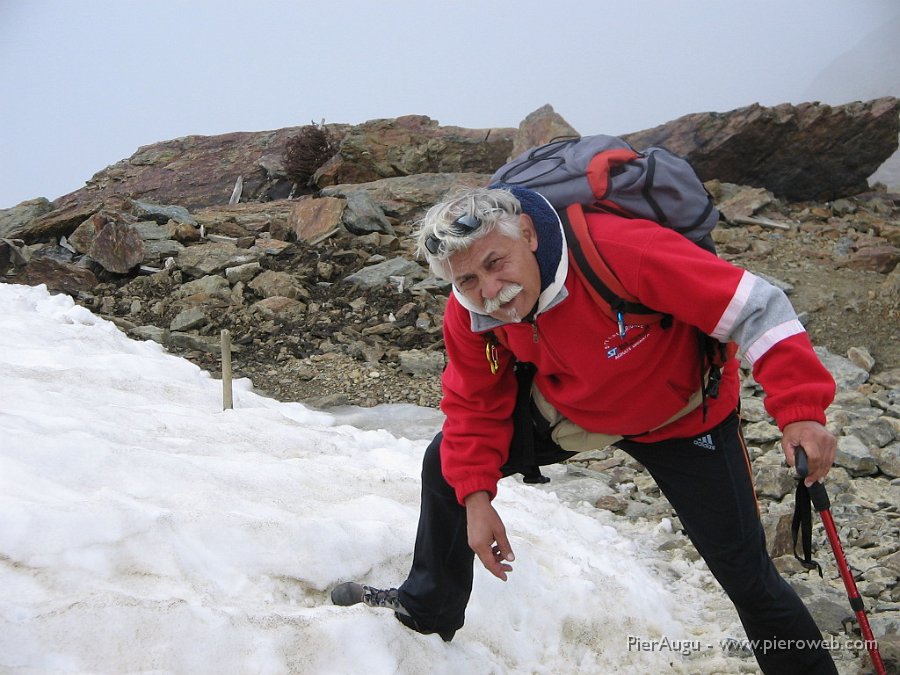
(352, 593)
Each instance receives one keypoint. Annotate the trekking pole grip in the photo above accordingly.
(817, 493)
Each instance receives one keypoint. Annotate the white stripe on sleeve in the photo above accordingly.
(724, 328)
(771, 337)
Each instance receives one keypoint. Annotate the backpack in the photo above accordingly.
(604, 173)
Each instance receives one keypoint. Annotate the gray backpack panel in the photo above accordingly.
(654, 184)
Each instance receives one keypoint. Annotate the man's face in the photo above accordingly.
(493, 267)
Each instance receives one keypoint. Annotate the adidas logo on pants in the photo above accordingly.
(705, 442)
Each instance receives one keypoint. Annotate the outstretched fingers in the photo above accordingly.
(487, 538)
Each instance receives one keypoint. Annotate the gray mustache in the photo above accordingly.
(506, 294)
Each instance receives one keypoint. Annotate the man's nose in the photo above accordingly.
(490, 287)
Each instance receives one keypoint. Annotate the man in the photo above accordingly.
(596, 382)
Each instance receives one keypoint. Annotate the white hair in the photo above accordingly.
(495, 208)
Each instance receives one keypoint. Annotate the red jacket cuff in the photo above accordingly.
(474, 484)
(800, 414)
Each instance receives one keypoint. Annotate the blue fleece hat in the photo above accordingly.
(546, 224)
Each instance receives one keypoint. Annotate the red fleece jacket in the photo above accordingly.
(606, 384)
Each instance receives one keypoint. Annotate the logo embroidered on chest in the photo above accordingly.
(617, 346)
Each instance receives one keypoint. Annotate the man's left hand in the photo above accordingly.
(819, 443)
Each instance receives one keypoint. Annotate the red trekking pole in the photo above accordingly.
(822, 505)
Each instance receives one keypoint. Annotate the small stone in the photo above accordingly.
(761, 433)
(243, 273)
(611, 503)
(860, 357)
(189, 319)
(854, 456)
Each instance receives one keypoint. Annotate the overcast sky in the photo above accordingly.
(84, 84)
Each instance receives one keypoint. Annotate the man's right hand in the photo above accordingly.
(487, 535)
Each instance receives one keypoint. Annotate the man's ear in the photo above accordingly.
(529, 234)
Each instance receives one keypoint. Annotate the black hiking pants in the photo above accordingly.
(707, 480)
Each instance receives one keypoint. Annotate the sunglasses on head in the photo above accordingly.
(462, 226)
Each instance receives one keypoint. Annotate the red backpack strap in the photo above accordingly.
(601, 282)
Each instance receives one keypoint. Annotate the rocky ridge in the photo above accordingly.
(326, 304)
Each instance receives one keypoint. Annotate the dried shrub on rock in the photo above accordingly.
(307, 151)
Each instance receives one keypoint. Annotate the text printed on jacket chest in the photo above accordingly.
(616, 345)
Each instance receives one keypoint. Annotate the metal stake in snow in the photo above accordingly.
(227, 402)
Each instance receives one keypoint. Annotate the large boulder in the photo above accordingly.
(407, 197)
(245, 219)
(57, 275)
(58, 222)
(213, 258)
(413, 144)
(115, 245)
(14, 220)
(810, 151)
(312, 219)
(193, 171)
(539, 127)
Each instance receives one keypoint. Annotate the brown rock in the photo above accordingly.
(83, 236)
(241, 219)
(810, 151)
(270, 284)
(58, 276)
(381, 329)
(407, 197)
(313, 219)
(744, 202)
(280, 307)
(59, 222)
(15, 219)
(413, 144)
(11, 254)
(539, 127)
(213, 258)
(890, 232)
(610, 503)
(879, 258)
(117, 248)
(271, 246)
(891, 285)
(778, 535)
(228, 229)
(193, 171)
(182, 232)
